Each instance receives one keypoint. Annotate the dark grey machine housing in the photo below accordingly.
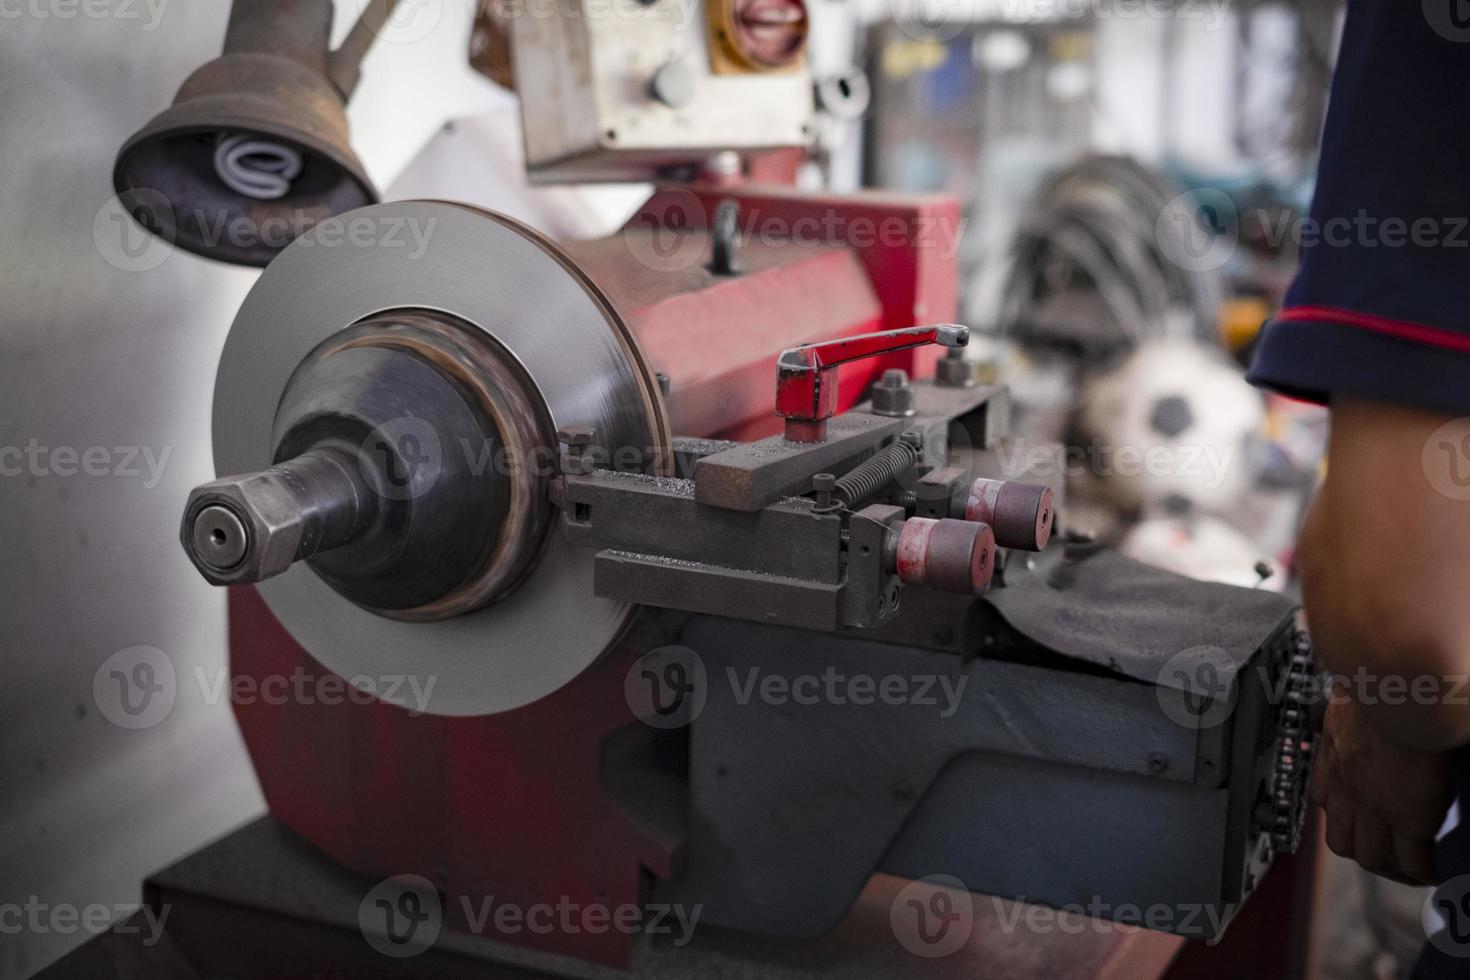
(1119, 741)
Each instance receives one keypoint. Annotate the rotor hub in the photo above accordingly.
(452, 441)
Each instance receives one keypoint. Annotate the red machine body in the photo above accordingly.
(512, 805)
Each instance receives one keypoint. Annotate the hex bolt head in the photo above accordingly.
(954, 370)
(576, 437)
(576, 441)
(251, 527)
(822, 485)
(892, 395)
(254, 519)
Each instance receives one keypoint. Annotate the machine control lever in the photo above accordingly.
(806, 376)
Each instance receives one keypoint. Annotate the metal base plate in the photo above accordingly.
(260, 903)
(520, 289)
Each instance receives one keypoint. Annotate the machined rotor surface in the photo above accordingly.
(506, 280)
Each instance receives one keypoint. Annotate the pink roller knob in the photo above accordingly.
(948, 555)
(1021, 513)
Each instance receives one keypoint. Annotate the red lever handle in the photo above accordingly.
(806, 376)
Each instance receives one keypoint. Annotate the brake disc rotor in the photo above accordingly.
(519, 289)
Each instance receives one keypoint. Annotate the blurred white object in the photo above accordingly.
(1001, 51)
(1171, 428)
(479, 160)
(1203, 548)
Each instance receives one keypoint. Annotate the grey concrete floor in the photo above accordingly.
(1370, 928)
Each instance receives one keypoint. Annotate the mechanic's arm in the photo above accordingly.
(1385, 562)
(1377, 325)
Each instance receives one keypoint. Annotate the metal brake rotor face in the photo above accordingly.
(506, 280)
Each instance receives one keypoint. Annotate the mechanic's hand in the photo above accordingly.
(1384, 804)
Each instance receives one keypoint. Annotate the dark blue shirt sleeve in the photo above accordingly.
(1380, 307)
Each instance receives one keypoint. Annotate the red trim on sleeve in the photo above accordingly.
(1419, 333)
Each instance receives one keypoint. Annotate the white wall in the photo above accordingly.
(1166, 88)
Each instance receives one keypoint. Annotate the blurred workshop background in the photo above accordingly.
(1129, 181)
